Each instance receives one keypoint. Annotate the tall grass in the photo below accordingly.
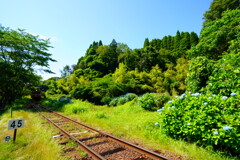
(33, 142)
(133, 123)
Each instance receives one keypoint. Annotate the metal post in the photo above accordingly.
(14, 135)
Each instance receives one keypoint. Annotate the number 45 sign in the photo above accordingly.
(15, 124)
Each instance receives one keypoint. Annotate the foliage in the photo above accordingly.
(218, 7)
(30, 143)
(225, 75)
(219, 36)
(152, 101)
(199, 71)
(205, 119)
(20, 54)
(122, 99)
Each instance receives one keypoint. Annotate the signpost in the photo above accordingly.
(15, 124)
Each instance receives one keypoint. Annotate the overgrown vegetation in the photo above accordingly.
(30, 143)
(208, 120)
(206, 65)
(131, 122)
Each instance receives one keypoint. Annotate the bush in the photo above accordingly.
(81, 92)
(106, 100)
(153, 101)
(147, 101)
(161, 99)
(225, 76)
(114, 102)
(122, 99)
(208, 120)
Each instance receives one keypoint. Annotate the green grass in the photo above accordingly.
(131, 122)
(33, 142)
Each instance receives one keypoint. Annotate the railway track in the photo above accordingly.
(97, 144)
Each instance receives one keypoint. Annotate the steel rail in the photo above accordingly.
(137, 148)
(81, 145)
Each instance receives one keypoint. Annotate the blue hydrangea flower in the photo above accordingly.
(195, 94)
(181, 97)
(214, 95)
(189, 124)
(224, 98)
(156, 123)
(173, 107)
(233, 94)
(169, 102)
(209, 97)
(205, 103)
(227, 128)
(169, 107)
(215, 132)
(159, 110)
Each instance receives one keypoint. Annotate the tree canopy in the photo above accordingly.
(20, 54)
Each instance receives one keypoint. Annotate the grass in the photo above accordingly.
(131, 122)
(33, 142)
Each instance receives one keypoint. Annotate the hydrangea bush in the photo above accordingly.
(152, 101)
(122, 99)
(209, 120)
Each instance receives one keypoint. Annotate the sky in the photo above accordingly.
(72, 25)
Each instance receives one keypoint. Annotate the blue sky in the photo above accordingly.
(72, 25)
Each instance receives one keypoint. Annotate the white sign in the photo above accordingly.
(14, 124)
(7, 139)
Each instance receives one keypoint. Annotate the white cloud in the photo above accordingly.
(52, 39)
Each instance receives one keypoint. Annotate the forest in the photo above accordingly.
(197, 76)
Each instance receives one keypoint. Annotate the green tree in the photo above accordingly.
(193, 39)
(146, 43)
(67, 70)
(219, 36)
(218, 7)
(200, 69)
(20, 53)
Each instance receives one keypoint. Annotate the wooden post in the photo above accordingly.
(14, 135)
(11, 111)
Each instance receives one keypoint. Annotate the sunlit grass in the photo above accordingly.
(131, 122)
(33, 142)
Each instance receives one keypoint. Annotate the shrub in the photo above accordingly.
(106, 100)
(152, 101)
(209, 120)
(225, 76)
(122, 99)
(147, 102)
(114, 102)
